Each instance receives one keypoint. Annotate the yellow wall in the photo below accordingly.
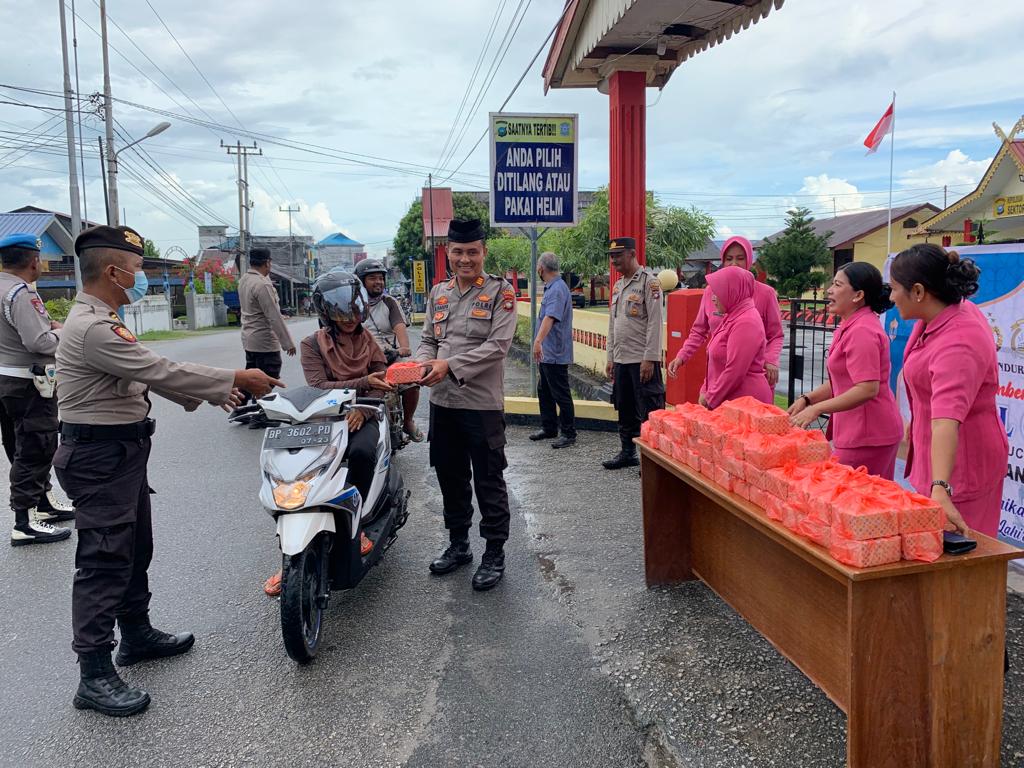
(872, 248)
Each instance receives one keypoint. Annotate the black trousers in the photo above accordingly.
(32, 421)
(362, 456)
(634, 401)
(465, 446)
(268, 362)
(553, 390)
(107, 481)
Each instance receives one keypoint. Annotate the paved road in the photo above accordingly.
(416, 671)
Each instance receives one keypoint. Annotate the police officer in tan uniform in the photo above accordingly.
(634, 347)
(104, 381)
(466, 336)
(28, 342)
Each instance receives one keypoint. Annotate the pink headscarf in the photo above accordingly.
(744, 243)
(734, 287)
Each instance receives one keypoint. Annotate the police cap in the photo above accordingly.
(120, 238)
(620, 244)
(21, 240)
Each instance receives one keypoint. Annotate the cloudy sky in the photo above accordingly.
(355, 102)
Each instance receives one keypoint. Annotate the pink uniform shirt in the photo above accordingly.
(859, 353)
(766, 301)
(951, 373)
(736, 349)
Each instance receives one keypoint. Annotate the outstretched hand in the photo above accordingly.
(256, 381)
(435, 372)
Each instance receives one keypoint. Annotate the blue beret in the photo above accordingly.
(21, 240)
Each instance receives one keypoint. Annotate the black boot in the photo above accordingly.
(543, 435)
(624, 458)
(102, 689)
(492, 567)
(141, 641)
(457, 555)
(29, 531)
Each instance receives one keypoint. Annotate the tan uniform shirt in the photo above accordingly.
(384, 316)
(25, 335)
(634, 319)
(472, 331)
(263, 326)
(104, 375)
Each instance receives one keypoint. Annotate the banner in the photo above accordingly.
(419, 277)
(1001, 298)
(534, 167)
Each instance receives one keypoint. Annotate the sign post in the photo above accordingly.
(534, 170)
(419, 277)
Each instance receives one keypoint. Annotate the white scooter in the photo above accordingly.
(319, 513)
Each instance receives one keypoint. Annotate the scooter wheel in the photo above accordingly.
(301, 613)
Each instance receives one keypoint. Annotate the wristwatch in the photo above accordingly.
(943, 484)
(807, 399)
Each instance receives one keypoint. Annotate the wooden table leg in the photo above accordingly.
(926, 671)
(666, 526)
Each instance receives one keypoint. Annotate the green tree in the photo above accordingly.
(676, 234)
(508, 253)
(798, 260)
(149, 250)
(408, 243)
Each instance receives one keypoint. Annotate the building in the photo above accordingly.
(338, 250)
(994, 211)
(211, 236)
(57, 243)
(864, 236)
(289, 258)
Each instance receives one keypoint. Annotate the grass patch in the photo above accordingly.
(782, 401)
(172, 335)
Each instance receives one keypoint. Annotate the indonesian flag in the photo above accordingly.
(883, 127)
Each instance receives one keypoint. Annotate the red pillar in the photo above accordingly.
(627, 191)
(440, 264)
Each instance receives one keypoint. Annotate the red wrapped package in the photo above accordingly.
(811, 445)
(822, 478)
(765, 451)
(676, 429)
(734, 466)
(693, 460)
(680, 452)
(665, 444)
(921, 514)
(722, 477)
(646, 432)
(404, 373)
(780, 481)
(864, 554)
(753, 476)
(757, 496)
(740, 488)
(865, 522)
(793, 513)
(769, 420)
(774, 507)
(736, 411)
(706, 451)
(710, 425)
(922, 545)
(815, 530)
(657, 419)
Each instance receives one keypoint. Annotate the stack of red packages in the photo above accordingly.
(404, 373)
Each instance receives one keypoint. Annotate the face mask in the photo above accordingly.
(137, 291)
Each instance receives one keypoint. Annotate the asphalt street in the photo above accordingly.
(415, 670)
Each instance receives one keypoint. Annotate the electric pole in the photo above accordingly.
(291, 249)
(108, 118)
(243, 153)
(76, 214)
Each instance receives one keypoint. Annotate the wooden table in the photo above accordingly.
(911, 652)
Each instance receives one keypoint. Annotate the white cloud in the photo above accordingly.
(956, 169)
(829, 192)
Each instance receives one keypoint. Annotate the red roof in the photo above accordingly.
(1017, 148)
(439, 206)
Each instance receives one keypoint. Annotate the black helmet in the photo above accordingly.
(369, 267)
(339, 297)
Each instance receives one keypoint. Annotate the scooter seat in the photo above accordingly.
(302, 397)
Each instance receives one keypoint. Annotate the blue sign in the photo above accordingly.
(534, 166)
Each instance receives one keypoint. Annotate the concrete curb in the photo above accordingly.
(591, 415)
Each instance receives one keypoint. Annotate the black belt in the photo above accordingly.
(86, 432)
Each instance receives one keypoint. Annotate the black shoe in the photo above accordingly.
(141, 641)
(457, 555)
(102, 689)
(492, 568)
(622, 459)
(35, 532)
(564, 442)
(542, 435)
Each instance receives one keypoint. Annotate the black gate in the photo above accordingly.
(810, 336)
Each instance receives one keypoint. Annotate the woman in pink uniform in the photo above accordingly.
(736, 349)
(737, 252)
(865, 427)
(958, 446)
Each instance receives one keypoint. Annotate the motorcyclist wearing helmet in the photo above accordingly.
(343, 355)
(387, 324)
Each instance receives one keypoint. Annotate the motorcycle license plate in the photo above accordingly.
(297, 436)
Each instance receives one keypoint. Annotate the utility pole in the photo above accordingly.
(945, 202)
(108, 118)
(243, 153)
(291, 250)
(76, 213)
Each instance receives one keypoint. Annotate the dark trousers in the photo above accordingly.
(362, 456)
(107, 481)
(634, 401)
(32, 421)
(467, 445)
(553, 390)
(268, 362)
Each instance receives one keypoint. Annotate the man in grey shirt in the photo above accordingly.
(264, 331)
(552, 349)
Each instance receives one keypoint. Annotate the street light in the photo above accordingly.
(112, 202)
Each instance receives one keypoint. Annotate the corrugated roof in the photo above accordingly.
(27, 223)
(339, 239)
(853, 226)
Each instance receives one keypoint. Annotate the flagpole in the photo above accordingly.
(892, 153)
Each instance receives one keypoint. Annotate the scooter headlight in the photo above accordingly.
(291, 495)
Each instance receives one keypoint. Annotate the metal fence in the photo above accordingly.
(810, 328)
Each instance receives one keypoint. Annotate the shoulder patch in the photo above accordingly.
(442, 300)
(655, 287)
(479, 282)
(39, 306)
(508, 300)
(124, 333)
